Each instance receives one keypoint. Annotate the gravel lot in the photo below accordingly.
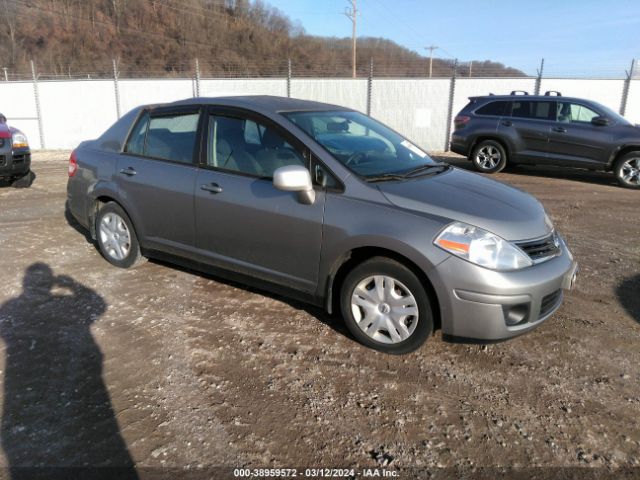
(164, 367)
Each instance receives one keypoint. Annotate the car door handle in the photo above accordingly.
(559, 129)
(212, 187)
(129, 171)
(506, 123)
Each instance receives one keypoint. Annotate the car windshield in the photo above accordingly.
(362, 144)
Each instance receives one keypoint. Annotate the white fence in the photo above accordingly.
(76, 110)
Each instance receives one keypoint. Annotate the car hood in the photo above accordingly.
(468, 197)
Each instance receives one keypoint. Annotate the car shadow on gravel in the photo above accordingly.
(56, 407)
(331, 320)
(73, 223)
(24, 182)
(627, 293)
(560, 173)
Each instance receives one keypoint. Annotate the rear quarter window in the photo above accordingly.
(493, 108)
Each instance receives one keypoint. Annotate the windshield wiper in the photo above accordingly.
(425, 168)
(385, 177)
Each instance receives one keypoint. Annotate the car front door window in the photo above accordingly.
(244, 146)
(575, 113)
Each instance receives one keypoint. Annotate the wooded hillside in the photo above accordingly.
(163, 37)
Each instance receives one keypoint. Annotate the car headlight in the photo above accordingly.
(19, 140)
(481, 247)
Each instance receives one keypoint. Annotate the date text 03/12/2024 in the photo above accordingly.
(314, 473)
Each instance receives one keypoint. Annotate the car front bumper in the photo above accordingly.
(481, 304)
(14, 163)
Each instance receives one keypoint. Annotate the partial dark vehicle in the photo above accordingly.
(497, 130)
(327, 205)
(15, 156)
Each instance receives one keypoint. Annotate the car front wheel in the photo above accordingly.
(627, 170)
(489, 157)
(386, 307)
(117, 239)
(23, 181)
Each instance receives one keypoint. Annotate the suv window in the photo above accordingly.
(575, 113)
(493, 108)
(248, 147)
(540, 110)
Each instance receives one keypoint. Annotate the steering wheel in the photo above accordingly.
(355, 158)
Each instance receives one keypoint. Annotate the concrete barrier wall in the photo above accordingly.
(76, 110)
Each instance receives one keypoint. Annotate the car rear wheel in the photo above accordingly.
(386, 307)
(116, 237)
(627, 170)
(489, 157)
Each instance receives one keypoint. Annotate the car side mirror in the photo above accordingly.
(295, 178)
(600, 121)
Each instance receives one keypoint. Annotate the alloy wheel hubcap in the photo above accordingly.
(488, 157)
(384, 309)
(630, 172)
(114, 236)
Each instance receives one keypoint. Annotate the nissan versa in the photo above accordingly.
(327, 205)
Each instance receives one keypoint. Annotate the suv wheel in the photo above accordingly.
(489, 157)
(117, 238)
(385, 306)
(627, 170)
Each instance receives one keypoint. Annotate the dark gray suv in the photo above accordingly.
(327, 205)
(496, 130)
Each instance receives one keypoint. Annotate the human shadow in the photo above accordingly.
(627, 293)
(57, 418)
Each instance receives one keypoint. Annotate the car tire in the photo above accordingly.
(23, 181)
(627, 170)
(117, 238)
(371, 300)
(489, 156)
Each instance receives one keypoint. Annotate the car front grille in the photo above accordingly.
(541, 249)
(549, 302)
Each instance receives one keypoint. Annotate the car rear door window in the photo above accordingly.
(172, 137)
(248, 147)
(493, 108)
(533, 109)
(575, 113)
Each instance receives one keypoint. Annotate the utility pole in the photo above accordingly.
(352, 14)
(431, 48)
(6, 76)
(470, 68)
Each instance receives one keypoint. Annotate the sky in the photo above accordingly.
(573, 36)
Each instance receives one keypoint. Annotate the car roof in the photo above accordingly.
(516, 98)
(264, 103)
